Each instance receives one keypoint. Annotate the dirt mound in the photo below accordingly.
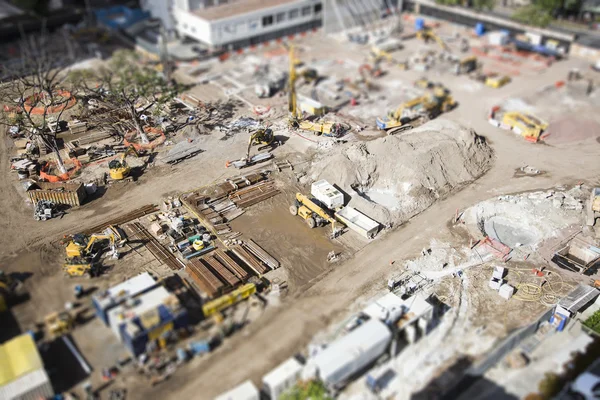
(394, 178)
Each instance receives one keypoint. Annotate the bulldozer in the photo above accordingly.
(417, 111)
(82, 251)
(118, 168)
(312, 213)
(296, 119)
(59, 323)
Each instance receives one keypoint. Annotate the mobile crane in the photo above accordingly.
(82, 250)
(312, 213)
(296, 119)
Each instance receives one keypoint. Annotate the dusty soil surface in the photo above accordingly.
(326, 290)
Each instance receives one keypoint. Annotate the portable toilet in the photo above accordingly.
(479, 29)
(419, 24)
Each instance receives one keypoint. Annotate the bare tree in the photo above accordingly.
(32, 90)
(126, 85)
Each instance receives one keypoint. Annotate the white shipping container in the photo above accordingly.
(282, 378)
(352, 352)
(327, 194)
(497, 38)
(358, 222)
(245, 391)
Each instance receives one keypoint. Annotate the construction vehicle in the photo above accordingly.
(496, 80)
(524, 125)
(9, 289)
(593, 207)
(417, 111)
(466, 65)
(314, 215)
(377, 55)
(261, 136)
(219, 304)
(118, 168)
(82, 251)
(44, 210)
(59, 323)
(427, 35)
(296, 119)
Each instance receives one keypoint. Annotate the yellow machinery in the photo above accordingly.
(593, 207)
(523, 124)
(296, 119)
(466, 65)
(377, 55)
(82, 250)
(417, 111)
(221, 303)
(311, 212)
(261, 136)
(496, 81)
(59, 323)
(9, 288)
(118, 168)
(427, 35)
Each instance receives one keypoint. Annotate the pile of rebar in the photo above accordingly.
(254, 194)
(124, 218)
(163, 255)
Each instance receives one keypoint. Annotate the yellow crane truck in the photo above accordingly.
(313, 214)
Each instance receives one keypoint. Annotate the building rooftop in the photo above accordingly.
(18, 357)
(238, 7)
(578, 298)
(129, 288)
(245, 391)
(283, 372)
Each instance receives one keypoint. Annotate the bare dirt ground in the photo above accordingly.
(282, 331)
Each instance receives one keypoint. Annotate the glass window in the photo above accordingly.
(267, 20)
(294, 13)
(318, 7)
(279, 17)
(305, 11)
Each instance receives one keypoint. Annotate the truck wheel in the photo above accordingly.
(311, 222)
(293, 210)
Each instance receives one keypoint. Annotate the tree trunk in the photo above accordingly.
(138, 126)
(59, 161)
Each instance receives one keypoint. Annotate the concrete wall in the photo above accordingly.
(589, 53)
(242, 28)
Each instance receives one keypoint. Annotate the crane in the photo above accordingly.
(296, 119)
(80, 253)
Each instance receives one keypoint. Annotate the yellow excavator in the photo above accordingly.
(417, 111)
(427, 34)
(262, 137)
(118, 168)
(83, 250)
(313, 214)
(296, 119)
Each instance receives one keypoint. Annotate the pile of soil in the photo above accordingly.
(393, 178)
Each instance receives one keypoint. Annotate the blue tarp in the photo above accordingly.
(120, 17)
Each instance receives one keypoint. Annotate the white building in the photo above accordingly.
(234, 24)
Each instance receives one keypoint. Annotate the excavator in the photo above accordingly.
(417, 111)
(296, 119)
(427, 34)
(260, 136)
(83, 250)
(312, 213)
(118, 168)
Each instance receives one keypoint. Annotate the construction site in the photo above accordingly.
(389, 205)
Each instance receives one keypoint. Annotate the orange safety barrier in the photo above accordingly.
(145, 146)
(44, 175)
(70, 102)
